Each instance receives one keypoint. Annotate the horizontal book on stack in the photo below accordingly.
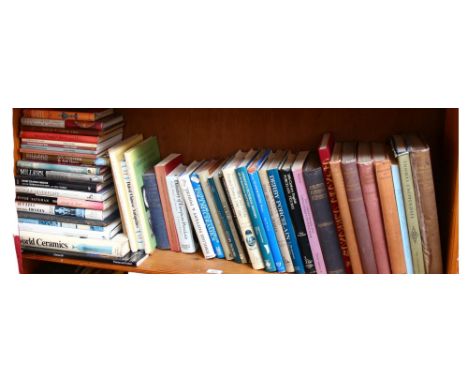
(65, 193)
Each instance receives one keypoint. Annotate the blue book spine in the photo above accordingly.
(205, 211)
(402, 218)
(286, 222)
(153, 202)
(266, 219)
(224, 221)
(54, 223)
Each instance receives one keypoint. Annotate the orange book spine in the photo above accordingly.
(57, 114)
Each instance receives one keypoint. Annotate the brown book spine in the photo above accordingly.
(383, 172)
(359, 216)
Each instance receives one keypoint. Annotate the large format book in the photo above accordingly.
(155, 209)
(383, 174)
(63, 176)
(281, 203)
(307, 215)
(68, 219)
(345, 213)
(203, 175)
(179, 210)
(140, 159)
(406, 176)
(194, 211)
(77, 114)
(296, 214)
(37, 219)
(68, 138)
(55, 193)
(246, 228)
(31, 181)
(425, 203)
(102, 124)
(116, 155)
(253, 171)
(357, 207)
(372, 203)
(63, 159)
(44, 166)
(323, 216)
(325, 151)
(254, 214)
(162, 169)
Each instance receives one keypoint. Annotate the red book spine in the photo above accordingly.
(59, 137)
(19, 255)
(59, 114)
(73, 124)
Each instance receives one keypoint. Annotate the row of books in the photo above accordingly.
(65, 195)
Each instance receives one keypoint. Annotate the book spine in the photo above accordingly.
(402, 218)
(62, 144)
(76, 203)
(196, 216)
(36, 199)
(181, 216)
(59, 137)
(155, 210)
(50, 209)
(61, 115)
(59, 167)
(297, 220)
(64, 159)
(205, 212)
(75, 232)
(309, 222)
(426, 207)
(55, 223)
(285, 218)
(56, 184)
(41, 122)
(323, 216)
(255, 219)
(54, 193)
(60, 176)
(406, 178)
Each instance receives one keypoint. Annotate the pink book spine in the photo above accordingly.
(75, 203)
(309, 222)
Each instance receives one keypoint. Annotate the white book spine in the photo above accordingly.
(45, 142)
(248, 233)
(181, 216)
(52, 209)
(88, 234)
(196, 216)
(55, 193)
(43, 122)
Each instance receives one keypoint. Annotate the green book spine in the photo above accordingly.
(406, 176)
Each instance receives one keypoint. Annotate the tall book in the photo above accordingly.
(140, 159)
(307, 215)
(162, 169)
(357, 207)
(325, 151)
(345, 212)
(383, 174)
(406, 177)
(425, 203)
(372, 203)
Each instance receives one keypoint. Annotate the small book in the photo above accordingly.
(76, 114)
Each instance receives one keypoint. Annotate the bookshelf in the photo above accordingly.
(208, 133)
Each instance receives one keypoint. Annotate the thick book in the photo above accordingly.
(162, 169)
(55, 193)
(426, 205)
(62, 159)
(383, 174)
(32, 181)
(69, 219)
(297, 170)
(77, 114)
(134, 214)
(262, 205)
(357, 207)
(296, 213)
(252, 209)
(323, 215)
(102, 124)
(76, 203)
(36, 219)
(155, 209)
(140, 159)
(281, 203)
(44, 166)
(63, 176)
(62, 138)
(62, 153)
(345, 212)
(325, 151)
(401, 153)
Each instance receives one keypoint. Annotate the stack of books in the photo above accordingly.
(65, 195)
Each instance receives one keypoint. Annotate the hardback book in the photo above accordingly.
(273, 212)
(252, 209)
(63, 176)
(345, 212)
(226, 213)
(76, 203)
(55, 193)
(323, 215)
(71, 220)
(426, 206)
(77, 114)
(205, 211)
(297, 170)
(102, 124)
(402, 215)
(116, 155)
(253, 171)
(60, 152)
(162, 169)
(372, 203)
(203, 175)
(181, 216)
(153, 200)
(194, 211)
(59, 158)
(401, 153)
(295, 211)
(383, 174)
(325, 151)
(62, 138)
(281, 203)
(36, 219)
(32, 181)
(246, 228)
(140, 159)
(44, 166)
